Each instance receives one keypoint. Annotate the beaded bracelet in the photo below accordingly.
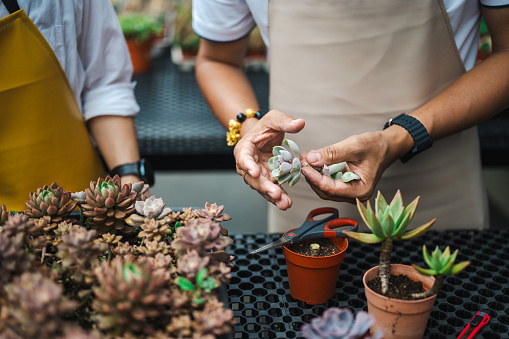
(233, 134)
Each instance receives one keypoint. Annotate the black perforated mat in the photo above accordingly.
(260, 297)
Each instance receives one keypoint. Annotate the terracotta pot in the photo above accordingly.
(402, 319)
(140, 55)
(313, 279)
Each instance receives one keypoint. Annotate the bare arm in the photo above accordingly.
(220, 75)
(116, 140)
(474, 97)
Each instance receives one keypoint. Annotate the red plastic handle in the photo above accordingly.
(329, 231)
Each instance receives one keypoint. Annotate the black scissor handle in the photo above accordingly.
(301, 232)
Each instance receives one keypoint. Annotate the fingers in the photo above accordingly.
(266, 188)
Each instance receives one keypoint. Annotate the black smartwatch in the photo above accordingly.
(143, 169)
(418, 132)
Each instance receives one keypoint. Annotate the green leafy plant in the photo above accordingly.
(387, 222)
(441, 264)
(203, 284)
(139, 26)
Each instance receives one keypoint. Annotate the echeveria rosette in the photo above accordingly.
(285, 164)
(387, 222)
(339, 323)
(50, 201)
(151, 208)
(441, 264)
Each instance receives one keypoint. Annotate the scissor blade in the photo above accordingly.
(276, 243)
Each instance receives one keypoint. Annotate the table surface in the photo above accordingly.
(176, 129)
(260, 298)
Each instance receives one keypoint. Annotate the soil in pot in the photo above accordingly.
(400, 286)
(326, 248)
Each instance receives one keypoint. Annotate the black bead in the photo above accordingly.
(258, 115)
(241, 117)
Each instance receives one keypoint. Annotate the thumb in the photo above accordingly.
(324, 156)
(284, 122)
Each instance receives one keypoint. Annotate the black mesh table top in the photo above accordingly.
(176, 129)
(260, 298)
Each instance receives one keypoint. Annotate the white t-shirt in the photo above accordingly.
(89, 44)
(229, 20)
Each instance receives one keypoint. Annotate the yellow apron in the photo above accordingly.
(43, 137)
(346, 67)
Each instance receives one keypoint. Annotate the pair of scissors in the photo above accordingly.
(312, 228)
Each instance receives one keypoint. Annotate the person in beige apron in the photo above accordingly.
(346, 68)
(43, 136)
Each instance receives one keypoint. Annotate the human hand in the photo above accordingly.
(367, 155)
(254, 150)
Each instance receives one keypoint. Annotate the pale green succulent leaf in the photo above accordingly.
(293, 146)
(339, 167)
(294, 179)
(200, 276)
(435, 259)
(397, 201)
(282, 179)
(402, 224)
(273, 163)
(365, 238)
(285, 168)
(459, 267)
(453, 256)
(424, 271)
(388, 225)
(380, 203)
(417, 231)
(296, 165)
(276, 150)
(349, 176)
(275, 173)
(185, 285)
(370, 219)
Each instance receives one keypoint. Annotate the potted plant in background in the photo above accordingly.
(393, 290)
(185, 41)
(132, 268)
(140, 31)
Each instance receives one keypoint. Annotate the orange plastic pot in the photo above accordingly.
(396, 318)
(140, 55)
(313, 279)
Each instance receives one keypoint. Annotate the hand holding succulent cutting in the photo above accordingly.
(286, 166)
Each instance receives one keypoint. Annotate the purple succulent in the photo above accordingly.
(339, 323)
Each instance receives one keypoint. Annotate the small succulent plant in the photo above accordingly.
(387, 222)
(128, 294)
(286, 166)
(340, 323)
(109, 204)
(441, 264)
(50, 201)
(4, 214)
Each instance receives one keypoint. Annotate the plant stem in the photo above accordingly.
(385, 264)
(437, 285)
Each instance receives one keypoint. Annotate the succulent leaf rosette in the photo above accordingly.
(340, 323)
(286, 166)
(387, 222)
(109, 204)
(441, 264)
(50, 201)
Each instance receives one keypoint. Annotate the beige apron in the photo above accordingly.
(346, 67)
(43, 137)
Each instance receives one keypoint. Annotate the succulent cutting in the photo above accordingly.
(286, 166)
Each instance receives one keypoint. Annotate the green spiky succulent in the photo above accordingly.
(387, 222)
(441, 264)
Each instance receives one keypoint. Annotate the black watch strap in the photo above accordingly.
(142, 169)
(418, 132)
